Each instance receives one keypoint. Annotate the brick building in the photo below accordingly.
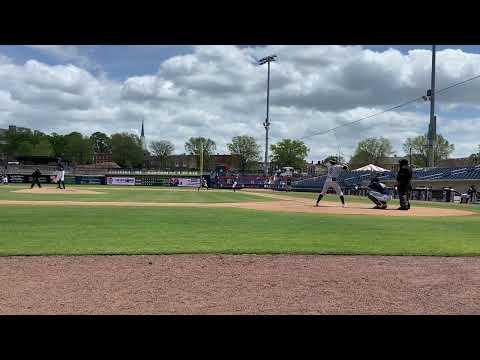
(99, 158)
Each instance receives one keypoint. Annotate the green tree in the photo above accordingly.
(24, 148)
(58, 143)
(194, 144)
(101, 143)
(162, 150)
(475, 157)
(127, 150)
(43, 147)
(419, 145)
(289, 152)
(16, 140)
(247, 150)
(78, 149)
(338, 159)
(371, 151)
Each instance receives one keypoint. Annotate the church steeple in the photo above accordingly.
(142, 138)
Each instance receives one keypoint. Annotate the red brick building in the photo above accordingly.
(99, 158)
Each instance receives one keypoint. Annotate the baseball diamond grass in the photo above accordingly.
(134, 194)
(67, 230)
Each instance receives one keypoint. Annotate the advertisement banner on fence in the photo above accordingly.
(121, 181)
(191, 182)
(155, 181)
(91, 180)
(17, 179)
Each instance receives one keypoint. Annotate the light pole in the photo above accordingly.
(201, 160)
(432, 127)
(266, 124)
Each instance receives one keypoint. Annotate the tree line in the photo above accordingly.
(74, 147)
(126, 149)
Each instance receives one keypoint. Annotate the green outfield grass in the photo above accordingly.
(42, 230)
(135, 194)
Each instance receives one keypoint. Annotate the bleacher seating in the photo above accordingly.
(350, 179)
(242, 181)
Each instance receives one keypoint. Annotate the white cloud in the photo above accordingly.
(219, 92)
(77, 54)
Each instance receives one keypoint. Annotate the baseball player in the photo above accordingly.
(333, 172)
(5, 179)
(203, 184)
(235, 183)
(378, 193)
(61, 177)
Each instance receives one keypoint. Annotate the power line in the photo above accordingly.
(389, 109)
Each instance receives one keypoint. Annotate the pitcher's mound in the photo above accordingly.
(50, 190)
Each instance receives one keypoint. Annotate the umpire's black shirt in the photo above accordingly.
(36, 174)
(404, 176)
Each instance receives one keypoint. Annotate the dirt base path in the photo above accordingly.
(221, 284)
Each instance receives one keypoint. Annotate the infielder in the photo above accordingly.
(333, 172)
(203, 184)
(234, 186)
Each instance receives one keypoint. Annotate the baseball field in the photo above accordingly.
(184, 246)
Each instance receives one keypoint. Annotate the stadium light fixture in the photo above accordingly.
(266, 124)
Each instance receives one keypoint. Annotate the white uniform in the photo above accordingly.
(5, 180)
(333, 172)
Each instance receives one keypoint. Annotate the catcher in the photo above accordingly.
(378, 193)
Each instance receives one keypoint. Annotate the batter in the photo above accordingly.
(333, 172)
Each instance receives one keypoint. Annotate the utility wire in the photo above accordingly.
(389, 109)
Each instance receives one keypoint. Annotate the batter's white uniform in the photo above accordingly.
(333, 172)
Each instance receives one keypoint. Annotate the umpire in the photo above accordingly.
(36, 178)
(404, 186)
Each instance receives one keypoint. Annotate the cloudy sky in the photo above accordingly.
(219, 92)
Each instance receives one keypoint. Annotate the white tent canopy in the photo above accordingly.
(371, 167)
